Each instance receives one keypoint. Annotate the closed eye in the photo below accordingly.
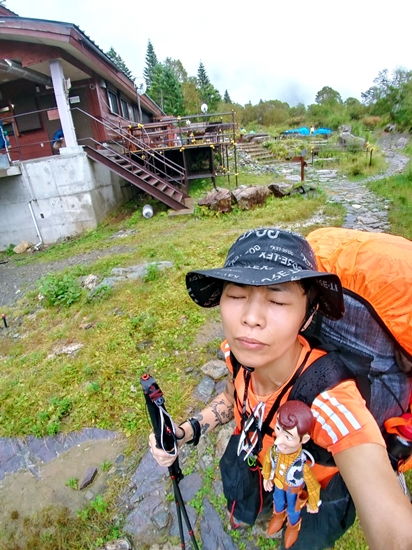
(235, 297)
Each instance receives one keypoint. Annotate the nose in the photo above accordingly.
(280, 439)
(253, 311)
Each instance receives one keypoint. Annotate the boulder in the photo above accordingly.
(281, 190)
(22, 247)
(349, 140)
(249, 197)
(218, 199)
(345, 128)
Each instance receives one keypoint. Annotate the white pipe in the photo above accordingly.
(36, 246)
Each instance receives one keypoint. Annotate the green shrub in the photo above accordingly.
(60, 289)
(152, 273)
(10, 250)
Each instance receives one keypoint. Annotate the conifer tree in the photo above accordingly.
(207, 91)
(115, 57)
(226, 97)
(151, 64)
(202, 78)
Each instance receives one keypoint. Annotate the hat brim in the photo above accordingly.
(205, 286)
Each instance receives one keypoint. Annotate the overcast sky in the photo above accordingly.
(260, 49)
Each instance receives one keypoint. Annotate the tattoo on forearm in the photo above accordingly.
(221, 416)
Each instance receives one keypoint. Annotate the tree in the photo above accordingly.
(177, 67)
(391, 96)
(226, 97)
(166, 90)
(328, 95)
(202, 78)
(355, 108)
(191, 96)
(151, 64)
(208, 93)
(117, 60)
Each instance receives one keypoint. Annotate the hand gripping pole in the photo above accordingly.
(164, 431)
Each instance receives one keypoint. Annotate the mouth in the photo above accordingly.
(250, 343)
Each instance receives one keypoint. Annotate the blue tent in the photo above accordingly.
(322, 132)
(302, 131)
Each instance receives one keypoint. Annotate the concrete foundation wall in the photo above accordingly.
(68, 193)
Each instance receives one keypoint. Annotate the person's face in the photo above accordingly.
(261, 324)
(288, 441)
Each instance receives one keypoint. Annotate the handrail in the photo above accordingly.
(127, 158)
(137, 142)
(163, 174)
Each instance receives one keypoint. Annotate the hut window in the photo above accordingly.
(114, 106)
(125, 110)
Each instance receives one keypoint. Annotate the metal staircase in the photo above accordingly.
(140, 165)
(138, 175)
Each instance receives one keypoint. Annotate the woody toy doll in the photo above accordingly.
(285, 468)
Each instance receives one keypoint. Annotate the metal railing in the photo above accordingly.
(152, 159)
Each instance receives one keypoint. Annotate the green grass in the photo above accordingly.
(137, 327)
(399, 190)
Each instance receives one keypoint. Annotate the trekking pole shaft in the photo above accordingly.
(181, 509)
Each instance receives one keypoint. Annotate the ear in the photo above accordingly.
(305, 438)
(309, 320)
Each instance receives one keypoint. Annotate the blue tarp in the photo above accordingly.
(304, 131)
(322, 131)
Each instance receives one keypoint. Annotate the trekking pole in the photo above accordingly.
(164, 432)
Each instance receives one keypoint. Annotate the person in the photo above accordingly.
(58, 140)
(4, 142)
(312, 130)
(286, 473)
(268, 291)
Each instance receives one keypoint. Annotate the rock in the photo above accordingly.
(215, 368)
(190, 485)
(251, 196)
(70, 350)
(90, 281)
(22, 247)
(211, 529)
(219, 200)
(204, 390)
(223, 438)
(88, 478)
(390, 128)
(401, 143)
(348, 140)
(119, 544)
(280, 190)
(345, 128)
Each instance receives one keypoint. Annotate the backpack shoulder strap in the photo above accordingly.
(323, 374)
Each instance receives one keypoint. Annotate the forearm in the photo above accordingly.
(219, 411)
(384, 511)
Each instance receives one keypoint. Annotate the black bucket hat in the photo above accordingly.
(263, 257)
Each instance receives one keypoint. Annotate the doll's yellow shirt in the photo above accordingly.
(284, 462)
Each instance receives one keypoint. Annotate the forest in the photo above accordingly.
(388, 102)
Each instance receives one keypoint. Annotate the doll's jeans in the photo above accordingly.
(286, 500)
(336, 514)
